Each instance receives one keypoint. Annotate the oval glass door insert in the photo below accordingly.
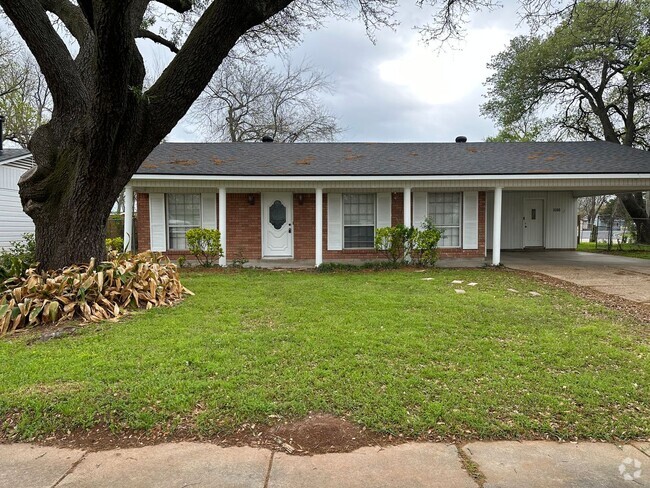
(277, 214)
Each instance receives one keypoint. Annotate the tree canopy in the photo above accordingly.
(585, 79)
(579, 79)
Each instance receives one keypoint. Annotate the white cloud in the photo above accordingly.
(444, 77)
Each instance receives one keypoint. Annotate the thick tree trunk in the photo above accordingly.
(635, 206)
(62, 239)
(70, 221)
(70, 193)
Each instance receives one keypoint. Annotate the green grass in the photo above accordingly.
(387, 349)
(630, 250)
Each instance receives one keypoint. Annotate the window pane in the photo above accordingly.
(444, 211)
(359, 209)
(359, 237)
(183, 214)
(450, 237)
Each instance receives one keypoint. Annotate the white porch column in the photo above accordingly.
(496, 229)
(128, 218)
(647, 202)
(222, 223)
(319, 226)
(407, 206)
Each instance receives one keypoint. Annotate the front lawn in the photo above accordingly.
(629, 250)
(391, 350)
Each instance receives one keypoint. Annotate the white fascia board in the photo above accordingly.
(293, 179)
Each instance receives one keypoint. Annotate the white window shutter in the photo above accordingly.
(384, 201)
(209, 210)
(157, 225)
(470, 220)
(334, 221)
(419, 208)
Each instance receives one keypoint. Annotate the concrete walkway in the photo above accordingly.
(615, 275)
(489, 464)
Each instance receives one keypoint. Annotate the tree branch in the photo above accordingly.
(213, 36)
(180, 6)
(30, 19)
(71, 16)
(152, 36)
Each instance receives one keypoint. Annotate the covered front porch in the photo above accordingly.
(308, 219)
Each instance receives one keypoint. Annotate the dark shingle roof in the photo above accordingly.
(9, 154)
(393, 159)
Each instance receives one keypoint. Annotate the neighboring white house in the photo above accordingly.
(13, 221)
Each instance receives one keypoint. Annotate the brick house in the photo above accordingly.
(323, 201)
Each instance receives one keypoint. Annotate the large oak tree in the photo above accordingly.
(582, 79)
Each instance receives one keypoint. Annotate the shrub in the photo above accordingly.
(17, 259)
(424, 251)
(395, 242)
(182, 261)
(402, 243)
(205, 244)
(115, 244)
(368, 266)
(240, 260)
(92, 292)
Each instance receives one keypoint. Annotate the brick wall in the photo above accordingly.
(304, 226)
(244, 233)
(142, 224)
(243, 229)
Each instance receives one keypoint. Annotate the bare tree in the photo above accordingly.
(25, 98)
(247, 100)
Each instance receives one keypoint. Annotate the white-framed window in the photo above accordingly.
(359, 217)
(183, 214)
(444, 210)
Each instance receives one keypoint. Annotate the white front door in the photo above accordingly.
(277, 225)
(533, 223)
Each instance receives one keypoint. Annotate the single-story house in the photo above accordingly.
(323, 201)
(13, 221)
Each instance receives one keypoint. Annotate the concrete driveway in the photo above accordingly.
(615, 275)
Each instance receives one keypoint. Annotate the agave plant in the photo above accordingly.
(92, 292)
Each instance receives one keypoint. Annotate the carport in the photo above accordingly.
(615, 275)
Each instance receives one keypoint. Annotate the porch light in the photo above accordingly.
(301, 198)
(251, 198)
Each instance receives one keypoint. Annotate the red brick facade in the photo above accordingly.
(244, 232)
(143, 230)
(243, 229)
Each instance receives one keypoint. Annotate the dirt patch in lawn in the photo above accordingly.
(315, 434)
(322, 433)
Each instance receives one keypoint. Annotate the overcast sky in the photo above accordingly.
(399, 89)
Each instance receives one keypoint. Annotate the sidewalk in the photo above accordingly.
(490, 464)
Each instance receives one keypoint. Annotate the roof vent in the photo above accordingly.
(461, 139)
(267, 139)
